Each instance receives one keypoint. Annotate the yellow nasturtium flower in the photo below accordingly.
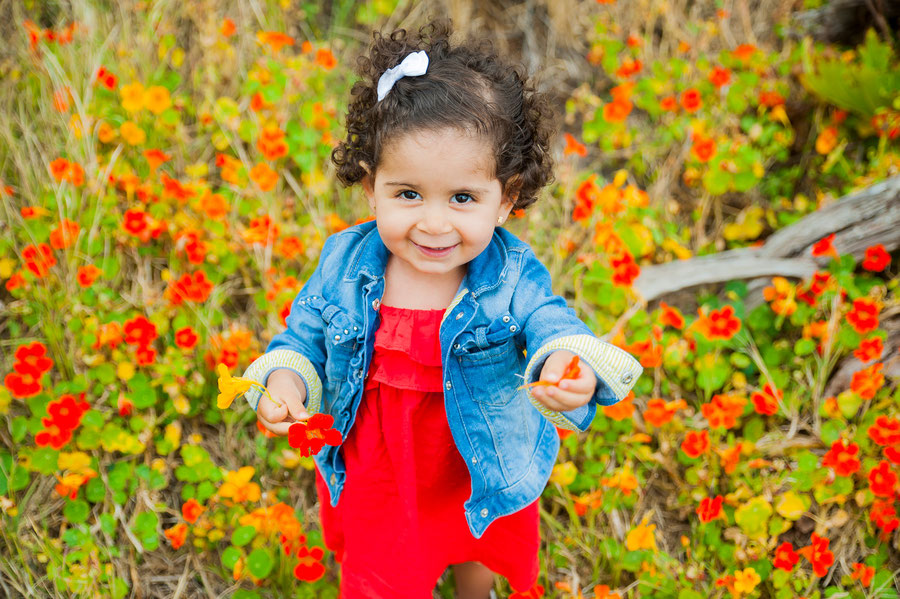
(232, 386)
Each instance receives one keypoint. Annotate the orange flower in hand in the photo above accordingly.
(232, 386)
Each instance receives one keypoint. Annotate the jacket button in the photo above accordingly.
(459, 315)
(449, 385)
(626, 378)
(456, 346)
(506, 319)
(333, 478)
(337, 337)
(355, 328)
(375, 304)
(513, 328)
(484, 513)
(346, 331)
(474, 460)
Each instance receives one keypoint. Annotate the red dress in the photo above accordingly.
(399, 522)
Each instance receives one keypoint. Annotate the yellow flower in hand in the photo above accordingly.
(232, 386)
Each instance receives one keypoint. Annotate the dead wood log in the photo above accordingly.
(859, 220)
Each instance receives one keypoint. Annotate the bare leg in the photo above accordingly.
(473, 580)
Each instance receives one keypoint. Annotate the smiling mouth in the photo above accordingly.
(437, 249)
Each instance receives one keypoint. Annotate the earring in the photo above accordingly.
(499, 220)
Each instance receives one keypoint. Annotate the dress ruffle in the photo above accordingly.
(400, 358)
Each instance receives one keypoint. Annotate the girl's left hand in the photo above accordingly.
(569, 393)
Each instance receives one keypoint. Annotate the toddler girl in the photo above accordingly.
(415, 330)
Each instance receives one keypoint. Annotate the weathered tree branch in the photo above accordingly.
(859, 220)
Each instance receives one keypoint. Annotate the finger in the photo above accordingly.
(295, 407)
(550, 402)
(267, 411)
(578, 385)
(564, 400)
(279, 428)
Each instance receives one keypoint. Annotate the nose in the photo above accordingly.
(434, 219)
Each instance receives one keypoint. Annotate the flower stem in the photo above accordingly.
(266, 391)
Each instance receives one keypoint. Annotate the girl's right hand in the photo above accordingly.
(287, 387)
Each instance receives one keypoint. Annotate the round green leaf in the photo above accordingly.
(259, 563)
(243, 535)
(76, 511)
(230, 557)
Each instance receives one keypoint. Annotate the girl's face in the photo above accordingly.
(435, 189)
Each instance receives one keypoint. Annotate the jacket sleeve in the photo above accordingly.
(301, 346)
(549, 324)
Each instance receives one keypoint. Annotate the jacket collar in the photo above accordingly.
(485, 271)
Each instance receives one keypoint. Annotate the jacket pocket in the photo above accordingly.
(489, 360)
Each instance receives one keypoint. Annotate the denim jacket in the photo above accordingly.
(503, 311)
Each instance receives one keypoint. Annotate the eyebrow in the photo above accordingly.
(476, 190)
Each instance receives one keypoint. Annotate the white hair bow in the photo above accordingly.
(413, 65)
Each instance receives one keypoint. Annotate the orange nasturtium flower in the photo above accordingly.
(264, 176)
(827, 140)
(325, 59)
(232, 386)
(176, 534)
(274, 39)
(571, 372)
(573, 146)
(641, 537)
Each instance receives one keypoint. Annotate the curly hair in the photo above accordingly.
(467, 86)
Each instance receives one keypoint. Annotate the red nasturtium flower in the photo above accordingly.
(309, 568)
(186, 338)
(825, 247)
(703, 148)
(876, 258)
(719, 76)
(191, 510)
(869, 349)
(670, 316)
(785, 557)
(842, 458)
(766, 402)
(312, 435)
(38, 259)
(691, 100)
(710, 508)
(863, 573)
(882, 480)
(668, 104)
(695, 443)
(719, 324)
(625, 269)
(863, 316)
(195, 288)
(818, 554)
(884, 515)
(885, 431)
